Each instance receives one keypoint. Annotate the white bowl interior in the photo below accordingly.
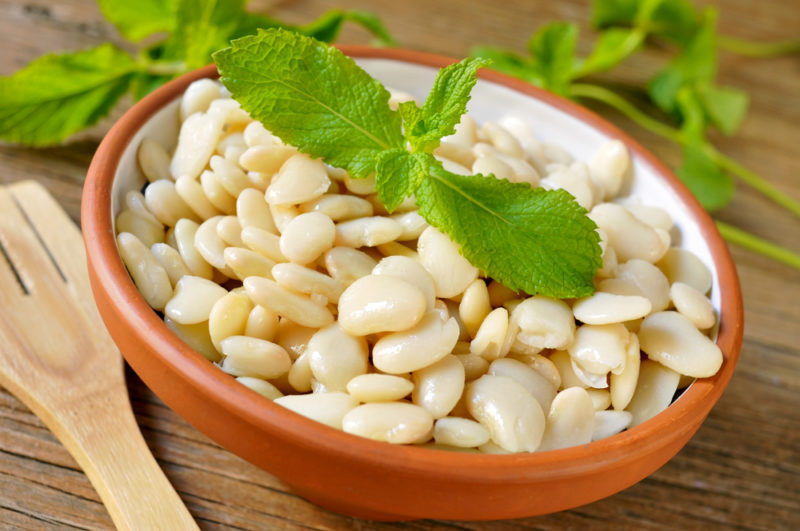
(490, 101)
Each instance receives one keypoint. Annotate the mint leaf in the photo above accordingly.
(607, 13)
(398, 174)
(611, 48)
(140, 19)
(704, 178)
(724, 106)
(507, 62)
(446, 102)
(530, 239)
(674, 19)
(553, 51)
(312, 96)
(201, 28)
(696, 65)
(59, 94)
(326, 28)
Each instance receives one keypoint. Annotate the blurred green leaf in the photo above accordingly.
(140, 19)
(552, 48)
(725, 107)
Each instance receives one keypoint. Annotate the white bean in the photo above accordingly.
(192, 193)
(264, 243)
(197, 139)
(412, 349)
(672, 339)
(451, 272)
(511, 414)
(198, 96)
(380, 303)
(379, 387)
(490, 165)
(648, 280)
(216, 193)
(228, 317)
(300, 179)
(262, 323)
(413, 225)
(474, 306)
(262, 387)
(153, 160)
(474, 366)
(248, 356)
(170, 259)
(654, 391)
(410, 271)
(536, 384)
(196, 336)
(609, 167)
(438, 386)
(230, 175)
(629, 237)
(348, 265)
(304, 280)
(230, 231)
(607, 308)
(575, 180)
(165, 203)
(601, 398)
(365, 186)
(600, 348)
(193, 300)
(306, 237)
(563, 362)
(150, 278)
(459, 432)
(147, 229)
(246, 263)
(298, 308)
(544, 322)
(693, 305)
(367, 232)
(622, 386)
(339, 207)
(491, 335)
(570, 421)
(327, 408)
(335, 357)
(253, 211)
(300, 376)
(210, 246)
(680, 265)
(185, 232)
(266, 159)
(544, 366)
(608, 423)
(393, 422)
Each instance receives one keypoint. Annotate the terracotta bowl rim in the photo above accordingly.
(266, 417)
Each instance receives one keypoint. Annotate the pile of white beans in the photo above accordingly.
(292, 277)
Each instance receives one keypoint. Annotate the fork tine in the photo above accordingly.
(35, 268)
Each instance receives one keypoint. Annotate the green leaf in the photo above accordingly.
(607, 13)
(507, 62)
(444, 106)
(724, 106)
(696, 65)
(312, 96)
(398, 174)
(553, 51)
(57, 95)
(326, 28)
(144, 83)
(612, 47)
(140, 19)
(201, 28)
(530, 239)
(704, 178)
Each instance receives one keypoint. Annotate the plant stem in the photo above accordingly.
(754, 180)
(758, 245)
(610, 98)
(758, 49)
(596, 92)
(164, 68)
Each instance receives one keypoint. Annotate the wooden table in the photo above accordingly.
(741, 470)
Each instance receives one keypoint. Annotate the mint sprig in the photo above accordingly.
(60, 94)
(317, 99)
(684, 90)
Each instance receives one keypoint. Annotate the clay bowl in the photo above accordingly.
(369, 479)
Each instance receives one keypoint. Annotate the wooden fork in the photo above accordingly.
(57, 358)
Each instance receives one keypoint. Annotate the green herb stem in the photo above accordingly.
(758, 245)
(164, 68)
(610, 98)
(754, 180)
(619, 103)
(758, 49)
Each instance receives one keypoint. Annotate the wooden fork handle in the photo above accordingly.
(102, 435)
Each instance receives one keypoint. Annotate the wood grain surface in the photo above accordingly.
(742, 468)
